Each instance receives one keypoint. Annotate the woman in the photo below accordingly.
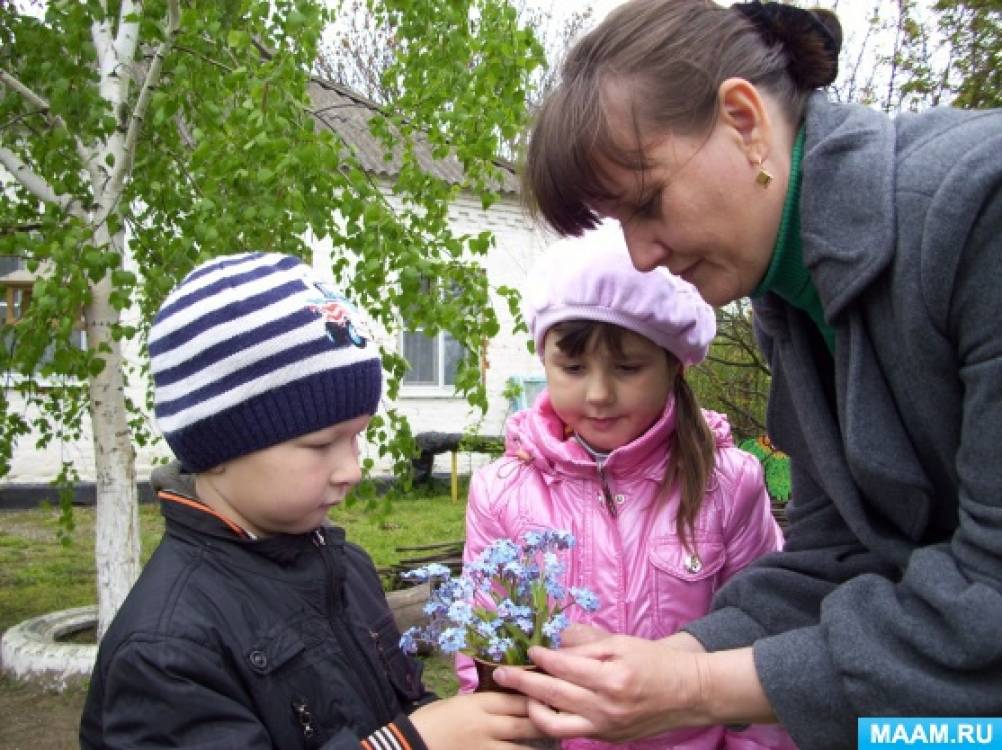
(871, 249)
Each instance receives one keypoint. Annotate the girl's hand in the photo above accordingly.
(492, 721)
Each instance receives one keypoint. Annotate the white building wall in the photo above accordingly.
(517, 242)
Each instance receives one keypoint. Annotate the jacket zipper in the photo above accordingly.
(610, 504)
(304, 716)
(349, 646)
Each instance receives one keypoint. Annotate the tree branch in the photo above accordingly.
(23, 116)
(15, 85)
(124, 166)
(127, 38)
(737, 363)
(44, 107)
(37, 184)
(17, 228)
(203, 58)
(100, 33)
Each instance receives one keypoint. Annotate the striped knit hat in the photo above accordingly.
(253, 350)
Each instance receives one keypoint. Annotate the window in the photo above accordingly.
(523, 390)
(433, 360)
(16, 296)
(16, 286)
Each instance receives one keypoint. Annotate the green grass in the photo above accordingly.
(409, 522)
(40, 574)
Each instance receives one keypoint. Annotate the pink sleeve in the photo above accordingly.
(482, 527)
(750, 530)
(466, 673)
(759, 737)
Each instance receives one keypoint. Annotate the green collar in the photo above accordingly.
(787, 275)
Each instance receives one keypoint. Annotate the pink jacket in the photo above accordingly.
(648, 585)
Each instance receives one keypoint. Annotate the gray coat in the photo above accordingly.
(888, 597)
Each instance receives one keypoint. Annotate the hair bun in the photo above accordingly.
(811, 38)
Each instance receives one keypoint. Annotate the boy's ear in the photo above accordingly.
(743, 110)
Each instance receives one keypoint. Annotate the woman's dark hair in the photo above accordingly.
(692, 447)
(671, 56)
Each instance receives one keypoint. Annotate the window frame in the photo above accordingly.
(439, 389)
(23, 282)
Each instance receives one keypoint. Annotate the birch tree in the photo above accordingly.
(140, 138)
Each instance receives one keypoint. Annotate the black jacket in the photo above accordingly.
(284, 642)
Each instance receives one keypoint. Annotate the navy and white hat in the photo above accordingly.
(252, 350)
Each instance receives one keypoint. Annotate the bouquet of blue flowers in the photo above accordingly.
(511, 597)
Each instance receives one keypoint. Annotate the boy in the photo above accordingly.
(254, 624)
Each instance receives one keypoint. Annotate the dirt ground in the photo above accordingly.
(33, 719)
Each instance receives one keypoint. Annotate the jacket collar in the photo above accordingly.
(537, 435)
(189, 516)
(847, 199)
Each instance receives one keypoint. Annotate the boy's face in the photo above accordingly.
(290, 487)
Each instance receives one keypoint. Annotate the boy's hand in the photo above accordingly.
(491, 721)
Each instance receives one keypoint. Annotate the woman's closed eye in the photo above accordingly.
(648, 206)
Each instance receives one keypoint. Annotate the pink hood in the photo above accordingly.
(539, 432)
(648, 584)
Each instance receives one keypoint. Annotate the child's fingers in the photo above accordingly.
(502, 704)
(515, 728)
(557, 695)
(559, 723)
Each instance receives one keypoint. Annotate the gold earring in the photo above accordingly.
(763, 177)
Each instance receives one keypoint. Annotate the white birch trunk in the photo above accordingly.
(116, 545)
(116, 549)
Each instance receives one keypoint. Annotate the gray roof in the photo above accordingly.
(347, 115)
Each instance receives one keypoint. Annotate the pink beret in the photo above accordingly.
(591, 278)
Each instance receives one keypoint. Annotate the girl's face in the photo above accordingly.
(609, 400)
(698, 210)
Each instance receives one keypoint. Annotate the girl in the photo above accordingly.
(616, 449)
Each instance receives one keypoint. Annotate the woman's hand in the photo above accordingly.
(619, 688)
(492, 721)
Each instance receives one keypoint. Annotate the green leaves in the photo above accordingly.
(230, 159)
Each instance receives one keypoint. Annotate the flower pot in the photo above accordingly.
(485, 675)
(485, 683)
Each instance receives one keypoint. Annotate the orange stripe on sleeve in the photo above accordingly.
(400, 736)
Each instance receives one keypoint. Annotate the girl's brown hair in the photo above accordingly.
(670, 57)
(692, 446)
